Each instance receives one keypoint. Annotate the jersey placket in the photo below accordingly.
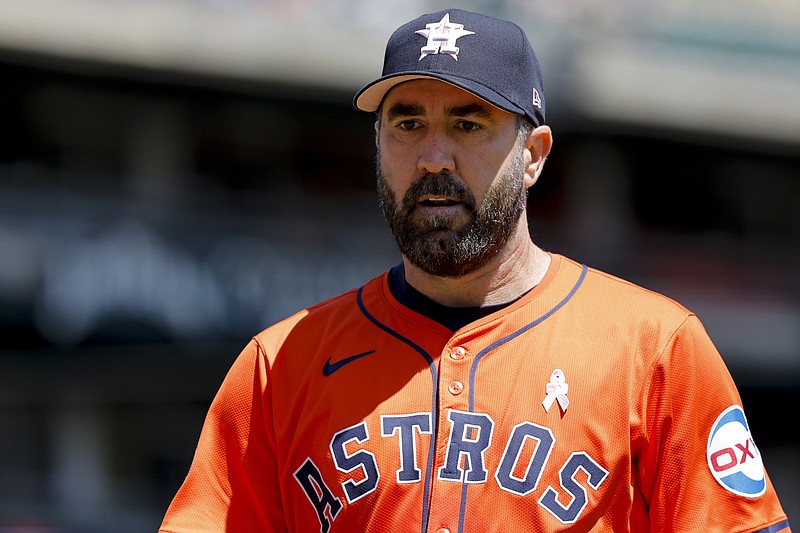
(451, 466)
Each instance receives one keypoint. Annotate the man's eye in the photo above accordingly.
(468, 125)
(408, 125)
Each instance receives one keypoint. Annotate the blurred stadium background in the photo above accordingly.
(175, 175)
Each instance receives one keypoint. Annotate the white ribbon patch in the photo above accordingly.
(556, 390)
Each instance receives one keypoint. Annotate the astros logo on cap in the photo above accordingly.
(733, 458)
(442, 37)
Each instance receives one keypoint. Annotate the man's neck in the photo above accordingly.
(503, 279)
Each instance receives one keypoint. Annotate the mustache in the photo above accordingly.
(438, 184)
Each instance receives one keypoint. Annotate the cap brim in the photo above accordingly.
(371, 96)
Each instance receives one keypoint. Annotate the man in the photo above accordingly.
(482, 384)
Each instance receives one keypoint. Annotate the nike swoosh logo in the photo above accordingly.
(330, 367)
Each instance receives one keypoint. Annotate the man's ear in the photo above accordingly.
(378, 124)
(538, 144)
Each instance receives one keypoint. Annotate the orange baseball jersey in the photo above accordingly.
(589, 404)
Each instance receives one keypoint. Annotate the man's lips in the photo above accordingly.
(438, 201)
(443, 209)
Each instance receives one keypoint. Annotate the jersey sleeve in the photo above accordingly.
(701, 470)
(232, 484)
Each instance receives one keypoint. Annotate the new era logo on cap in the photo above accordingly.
(488, 57)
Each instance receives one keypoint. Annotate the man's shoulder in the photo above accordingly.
(336, 309)
(615, 292)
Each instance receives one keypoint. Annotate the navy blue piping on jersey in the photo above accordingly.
(512, 336)
(434, 405)
(496, 344)
(780, 526)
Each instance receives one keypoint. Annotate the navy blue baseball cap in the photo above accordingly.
(488, 57)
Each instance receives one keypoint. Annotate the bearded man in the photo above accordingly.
(482, 384)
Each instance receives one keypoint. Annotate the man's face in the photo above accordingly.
(450, 176)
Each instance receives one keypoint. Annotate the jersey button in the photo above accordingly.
(455, 388)
(458, 354)
(442, 530)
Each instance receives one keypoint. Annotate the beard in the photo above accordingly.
(453, 245)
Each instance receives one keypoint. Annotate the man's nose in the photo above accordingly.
(436, 155)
